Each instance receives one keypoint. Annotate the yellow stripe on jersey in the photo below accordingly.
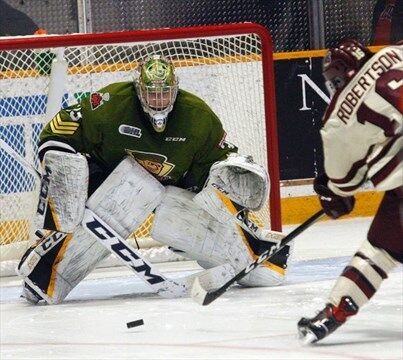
(62, 122)
(60, 126)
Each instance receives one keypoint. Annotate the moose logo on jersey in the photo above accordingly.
(156, 164)
(97, 99)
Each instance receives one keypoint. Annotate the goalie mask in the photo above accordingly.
(157, 87)
(342, 62)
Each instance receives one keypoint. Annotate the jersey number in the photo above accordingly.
(390, 87)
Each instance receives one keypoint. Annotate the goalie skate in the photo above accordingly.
(30, 294)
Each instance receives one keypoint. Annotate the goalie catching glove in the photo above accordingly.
(242, 180)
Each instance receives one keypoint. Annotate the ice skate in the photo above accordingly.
(311, 330)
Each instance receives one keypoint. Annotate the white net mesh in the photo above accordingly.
(226, 71)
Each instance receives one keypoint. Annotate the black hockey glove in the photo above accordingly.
(333, 205)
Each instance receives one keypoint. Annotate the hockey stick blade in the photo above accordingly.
(205, 297)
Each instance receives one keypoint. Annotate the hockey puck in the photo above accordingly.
(135, 323)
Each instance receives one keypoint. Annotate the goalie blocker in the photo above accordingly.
(63, 191)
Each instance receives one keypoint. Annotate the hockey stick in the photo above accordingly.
(108, 237)
(160, 284)
(28, 166)
(205, 297)
(111, 240)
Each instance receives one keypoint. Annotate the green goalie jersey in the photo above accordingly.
(110, 124)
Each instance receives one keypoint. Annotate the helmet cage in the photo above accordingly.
(163, 102)
(157, 88)
(336, 76)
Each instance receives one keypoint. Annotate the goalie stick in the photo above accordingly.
(27, 166)
(163, 286)
(103, 233)
(111, 240)
(205, 297)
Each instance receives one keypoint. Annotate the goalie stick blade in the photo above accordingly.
(198, 293)
(130, 257)
(172, 289)
(210, 280)
(205, 297)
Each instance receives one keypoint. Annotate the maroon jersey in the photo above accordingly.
(362, 132)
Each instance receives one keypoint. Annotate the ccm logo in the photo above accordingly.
(250, 224)
(175, 139)
(122, 250)
(43, 194)
(263, 257)
(219, 188)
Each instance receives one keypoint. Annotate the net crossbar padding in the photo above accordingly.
(228, 66)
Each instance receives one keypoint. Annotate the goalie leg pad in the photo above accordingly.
(257, 238)
(220, 206)
(63, 192)
(59, 269)
(126, 197)
(242, 180)
(182, 224)
(34, 254)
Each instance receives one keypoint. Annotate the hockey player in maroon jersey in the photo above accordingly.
(362, 142)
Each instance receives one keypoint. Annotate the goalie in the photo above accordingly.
(133, 148)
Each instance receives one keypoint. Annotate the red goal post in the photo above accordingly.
(229, 66)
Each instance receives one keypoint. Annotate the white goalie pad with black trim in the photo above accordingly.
(52, 275)
(127, 196)
(123, 201)
(242, 180)
(64, 189)
(180, 223)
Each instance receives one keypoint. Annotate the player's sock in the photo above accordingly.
(326, 321)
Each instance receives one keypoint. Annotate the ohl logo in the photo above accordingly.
(97, 99)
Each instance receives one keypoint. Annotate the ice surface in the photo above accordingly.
(242, 324)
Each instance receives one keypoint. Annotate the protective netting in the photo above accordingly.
(347, 19)
(225, 71)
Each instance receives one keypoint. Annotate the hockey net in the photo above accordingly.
(229, 66)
